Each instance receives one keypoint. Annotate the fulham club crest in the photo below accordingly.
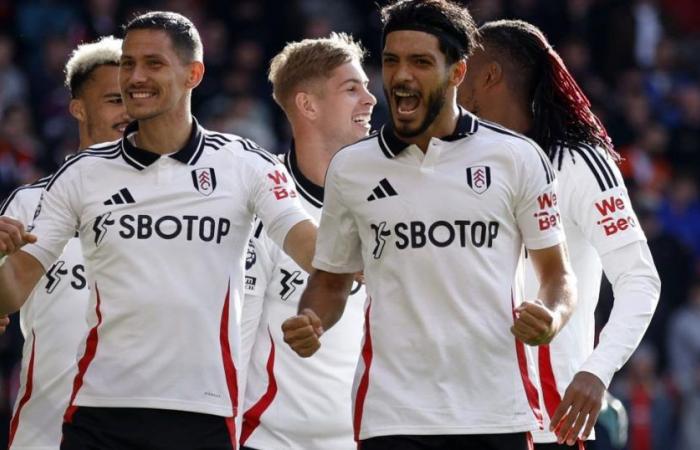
(479, 178)
(204, 180)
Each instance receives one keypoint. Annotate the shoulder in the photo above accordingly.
(587, 165)
(26, 195)
(524, 150)
(367, 147)
(239, 147)
(95, 153)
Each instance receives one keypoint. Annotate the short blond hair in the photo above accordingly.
(87, 57)
(309, 60)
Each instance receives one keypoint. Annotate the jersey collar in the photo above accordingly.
(391, 145)
(140, 158)
(312, 192)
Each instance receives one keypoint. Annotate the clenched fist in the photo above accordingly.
(535, 324)
(302, 333)
(13, 235)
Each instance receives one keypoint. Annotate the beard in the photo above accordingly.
(436, 101)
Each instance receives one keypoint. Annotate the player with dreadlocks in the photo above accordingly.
(518, 80)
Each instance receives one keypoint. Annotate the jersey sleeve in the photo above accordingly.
(20, 206)
(598, 202)
(56, 219)
(275, 201)
(537, 209)
(338, 245)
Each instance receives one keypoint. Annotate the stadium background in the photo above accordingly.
(638, 60)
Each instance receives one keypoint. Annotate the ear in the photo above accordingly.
(493, 74)
(459, 69)
(195, 75)
(306, 105)
(76, 107)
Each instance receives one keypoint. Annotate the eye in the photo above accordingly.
(115, 101)
(126, 64)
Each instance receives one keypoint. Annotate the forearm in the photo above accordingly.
(326, 295)
(18, 276)
(300, 244)
(558, 293)
(636, 289)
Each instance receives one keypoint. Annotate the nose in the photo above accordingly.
(368, 98)
(402, 73)
(137, 74)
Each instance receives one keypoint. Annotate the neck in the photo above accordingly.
(165, 133)
(443, 125)
(509, 113)
(314, 153)
(84, 140)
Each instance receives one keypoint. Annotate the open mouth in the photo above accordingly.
(407, 101)
(141, 95)
(362, 119)
(120, 127)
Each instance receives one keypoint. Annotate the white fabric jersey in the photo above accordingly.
(286, 393)
(163, 239)
(598, 219)
(53, 324)
(439, 236)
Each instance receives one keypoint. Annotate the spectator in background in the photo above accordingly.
(679, 212)
(684, 352)
(13, 82)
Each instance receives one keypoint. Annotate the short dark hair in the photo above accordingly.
(449, 22)
(182, 32)
(534, 70)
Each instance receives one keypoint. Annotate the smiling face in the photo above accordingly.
(345, 104)
(153, 78)
(416, 79)
(103, 112)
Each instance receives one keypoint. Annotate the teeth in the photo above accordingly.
(141, 94)
(400, 93)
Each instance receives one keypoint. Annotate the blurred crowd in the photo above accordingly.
(636, 60)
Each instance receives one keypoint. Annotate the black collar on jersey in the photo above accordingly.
(140, 158)
(391, 145)
(312, 192)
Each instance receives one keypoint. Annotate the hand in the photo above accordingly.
(4, 322)
(302, 333)
(13, 235)
(360, 277)
(580, 406)
(535, 324)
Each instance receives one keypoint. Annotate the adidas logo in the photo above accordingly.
(121, 197)
(383, 190)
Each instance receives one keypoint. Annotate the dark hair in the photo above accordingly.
(180, 29)
(450, 23)
(561, 111)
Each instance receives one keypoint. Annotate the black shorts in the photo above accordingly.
(146, 429)
(510, 441)
(580, 445)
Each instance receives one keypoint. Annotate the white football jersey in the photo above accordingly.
(286, 393)
(53, 324)
(439, 237)
(163, 239)
(598, 217)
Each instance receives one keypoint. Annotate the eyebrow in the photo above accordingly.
(354, 80)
